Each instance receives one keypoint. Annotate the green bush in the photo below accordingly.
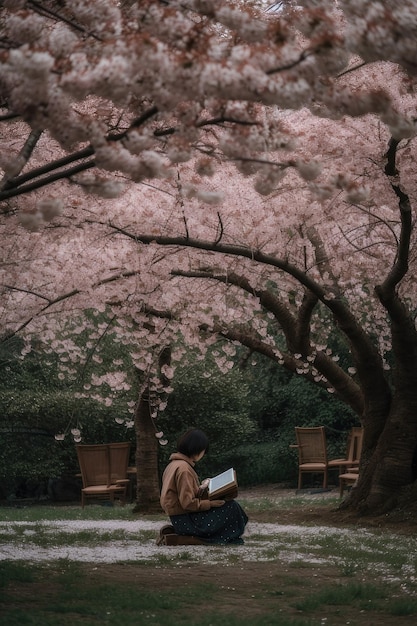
(29, 421)
(249, 415)
(35, 405)
(281, 401)
(257, 463)
(218, 405)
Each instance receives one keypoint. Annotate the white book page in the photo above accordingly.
(221, 480)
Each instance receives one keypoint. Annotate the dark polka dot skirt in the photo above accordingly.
(224, 524)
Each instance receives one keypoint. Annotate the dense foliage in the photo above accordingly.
(249, 415)
(36, 407)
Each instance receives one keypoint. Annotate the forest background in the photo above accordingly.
(249, 415)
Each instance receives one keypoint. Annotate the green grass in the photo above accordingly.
(365, 595)
(68, 593)
(403, 606)
(296, 577)
(265, 504)
(75, 597)
(44, 537)
(53, 513)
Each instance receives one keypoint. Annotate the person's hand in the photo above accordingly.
(217, 503)
(202, 493)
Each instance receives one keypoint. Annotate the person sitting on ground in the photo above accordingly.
(212, 521)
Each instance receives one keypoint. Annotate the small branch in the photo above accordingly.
(223, 119)
(304, 55)
(168, 315)
(28, 291)
(282, 166)
(220, 230)
(187, 234)
(139, 121)
(26, 323)
(38, 8)
(351, 69)
(112, 279)
(9, 116)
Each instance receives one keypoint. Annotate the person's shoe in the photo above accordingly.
(171, 539)
(164, 532)
(188, 540)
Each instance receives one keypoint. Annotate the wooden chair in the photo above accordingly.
(101, 479)
(348, 478)
(312, 452)
(353, 452)
(119, 462)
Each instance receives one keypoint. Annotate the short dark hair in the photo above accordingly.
(193, 442)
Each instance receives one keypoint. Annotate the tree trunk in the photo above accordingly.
(387, 468)
(147, 489)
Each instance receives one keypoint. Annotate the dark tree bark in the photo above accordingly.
(147, 489)
(147, 447)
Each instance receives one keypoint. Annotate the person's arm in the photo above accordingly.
(188, 490)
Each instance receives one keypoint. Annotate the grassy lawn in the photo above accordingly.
(296, 575)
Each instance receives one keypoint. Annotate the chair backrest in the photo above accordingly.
(354, 446)
(311, 444)
(94, 464)
(119, 460)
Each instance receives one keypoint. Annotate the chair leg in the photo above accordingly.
(343, 484)
(344, 481)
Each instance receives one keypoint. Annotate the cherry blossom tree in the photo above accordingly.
(248, 176)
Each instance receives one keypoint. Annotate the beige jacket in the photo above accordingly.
(180, 485)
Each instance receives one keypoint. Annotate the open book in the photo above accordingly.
(223, 486)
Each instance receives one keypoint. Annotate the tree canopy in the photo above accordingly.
(219, 171)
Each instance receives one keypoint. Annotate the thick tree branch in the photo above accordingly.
(336, 305)
(404, 337)
(17, 181)
(366, 356)
(15, 186)
(291, 327)
(386, 291)
(42, 176)
(305, 313)
(8, 116)
(48, 180)
(25, 154)
(391, 154)
(267, 299)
